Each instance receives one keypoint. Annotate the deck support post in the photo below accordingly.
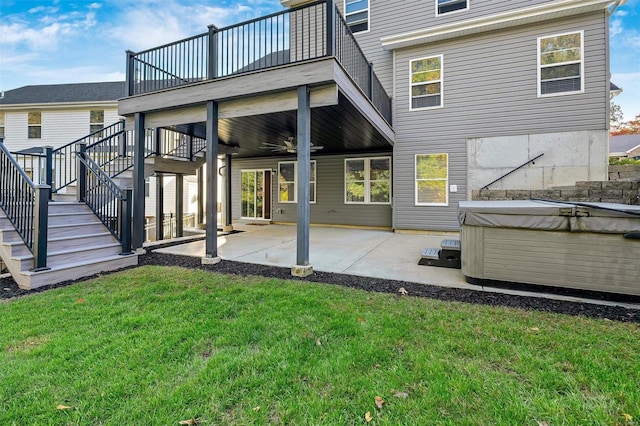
(179, 205)
(40, 227)
(125, 220)
(211, 249)
(159, 206)
(138, 181)
(302, 268)
(48, 167)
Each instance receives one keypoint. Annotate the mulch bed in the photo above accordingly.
(8, 288)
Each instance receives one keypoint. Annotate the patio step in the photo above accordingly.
(447, 256)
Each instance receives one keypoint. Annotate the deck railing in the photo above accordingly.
(112, 205)
(26, 206)
(304, 33)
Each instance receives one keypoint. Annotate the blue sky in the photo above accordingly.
(70, 41)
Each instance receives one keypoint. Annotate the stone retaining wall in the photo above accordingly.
(622, 192)
(627, 172)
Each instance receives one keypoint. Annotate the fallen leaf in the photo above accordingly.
(377, 366)
(534, 329)
(360, 319)
(367, 417)
(399, 394)
(63, 407)
(627, 417)
(191, 422)
(379, 402)
(318, 342)
(543, 424)
(80, 301)
(402, 291)
(256, 409)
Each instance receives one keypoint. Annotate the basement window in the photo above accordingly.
(288, 182)
(446, 6)
(367, 180)
(432, 179)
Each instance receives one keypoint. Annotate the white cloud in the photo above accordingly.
(615, 27)
(145, 25)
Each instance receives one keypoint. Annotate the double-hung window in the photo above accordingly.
(96, 121)
(288, 182)
(560, 64)
(35, 125)
(432, 179)
(357, 15)
(426, 83)
(446, 6)
(367, 180)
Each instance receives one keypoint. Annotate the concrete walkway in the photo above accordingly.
(368, 253)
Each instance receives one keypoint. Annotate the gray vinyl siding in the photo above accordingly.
(329, 207)
(388, 18)
(489, 89)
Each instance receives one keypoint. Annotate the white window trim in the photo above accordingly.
(367, 180)
(34, 125)
(454, 11)
(91, 123)
(368, 17)
(415, 179)
(441, 81)
(295, 183)
(582, 71)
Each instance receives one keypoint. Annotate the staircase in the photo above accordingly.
(46, 242)
(78, 245)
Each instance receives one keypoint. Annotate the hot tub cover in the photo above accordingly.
(551, 215)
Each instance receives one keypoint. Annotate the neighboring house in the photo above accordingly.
(32, 117)
(624, 146)
(477, 88)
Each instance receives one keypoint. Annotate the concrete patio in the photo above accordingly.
(361, 252)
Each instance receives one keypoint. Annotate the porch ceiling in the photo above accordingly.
(339, 128)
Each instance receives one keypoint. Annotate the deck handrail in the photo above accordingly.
(25, 205)
(294, 35)
(512, 171)
(112, 205)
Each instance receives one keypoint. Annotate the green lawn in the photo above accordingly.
(157, 345)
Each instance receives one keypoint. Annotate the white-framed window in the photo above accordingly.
(357, 15)
(288, 182)
(96, 120)
(367, 180)
(35, 125)
(426, 82)
(447, 6)
(432, 179)
(2, 118)
(561, 64)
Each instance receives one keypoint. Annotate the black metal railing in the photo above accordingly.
(169, 225)
(26, 206)
(304, 33)
(170, 143)
(533, 161)
(112, 205)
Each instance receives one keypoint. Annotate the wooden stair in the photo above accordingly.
(79, 245)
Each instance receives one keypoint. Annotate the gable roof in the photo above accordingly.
(65, 93)
(623, 143)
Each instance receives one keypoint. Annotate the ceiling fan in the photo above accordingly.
(288, 145)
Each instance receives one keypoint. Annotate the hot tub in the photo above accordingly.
(586, 246)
